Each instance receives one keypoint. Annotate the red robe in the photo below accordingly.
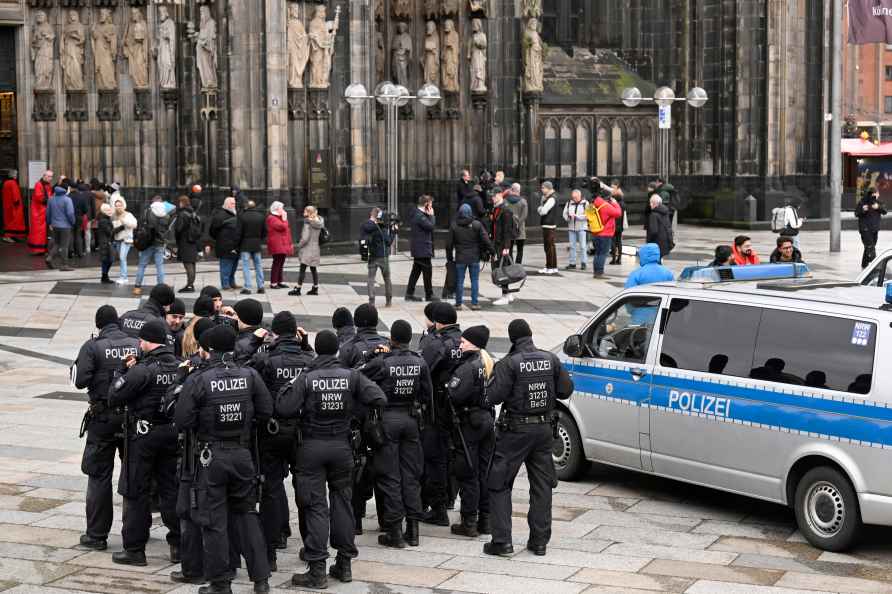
(13, 210)
(37, 231)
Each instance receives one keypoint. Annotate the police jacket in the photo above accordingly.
(247, 343)
(442, 353)
(327, 396)
(145, 384)
(98, 359)
(133, 321)
(403, 375)
(358, 349)
(345, 334)
(528, 381)
(467, 387)
(175, 341)
(286, 358)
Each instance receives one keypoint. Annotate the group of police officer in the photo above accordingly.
(211, 417)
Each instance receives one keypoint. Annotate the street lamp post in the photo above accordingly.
(664, 97)
(392, 97)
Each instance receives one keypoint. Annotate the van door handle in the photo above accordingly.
(637, 373)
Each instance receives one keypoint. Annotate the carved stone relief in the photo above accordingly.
(431, 59)
(450, 57)
(532, 58)
(206, 49)
(322, 36)
(74, 40)
(477, 57)
(401, 55)
(166, 50)
(42, 39)
(136, 49)
(105, 51)
(298, 48)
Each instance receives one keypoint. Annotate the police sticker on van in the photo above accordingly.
(697, 402)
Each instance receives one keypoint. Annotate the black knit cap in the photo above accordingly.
(177, 307)
(366, 316)
(211, 291)
(401, 332)
(444, 313)
(162, 294)
(518, 329)
(477, 335)
(249, 311)
(326, 343)
(204, 307)
(219, 338)
(429, 310)
(106, 315)
(284, 324)
(201, 326)
(154, 331)
(341, 318)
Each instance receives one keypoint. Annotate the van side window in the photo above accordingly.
(786, 353)
(710, 337)
(624, 332)
(880, 275)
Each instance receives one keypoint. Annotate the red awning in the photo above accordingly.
(857, 147)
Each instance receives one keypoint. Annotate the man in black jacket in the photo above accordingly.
(252, 229)
(503, 233)
(421, 246)
(467, 245)
(224, 231)
(870, 212)
(251, 337)
(84, 206)
(659, 225)
(376, 232)
(468, 194)
(154, 308)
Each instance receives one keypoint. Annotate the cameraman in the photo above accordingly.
(378, 235)
(869, 212)
(421, 245)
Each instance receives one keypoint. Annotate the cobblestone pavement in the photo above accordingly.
(614, 531)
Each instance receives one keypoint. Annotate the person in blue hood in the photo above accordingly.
(650, 270)
(60, 219)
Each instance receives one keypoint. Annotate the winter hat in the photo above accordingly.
(162, 294)
(518, 329)
(220, 338)
(365, 316)
(401, 332)
(465, 210)
(326, 343)
(284, 324)
(477, 335)
(249, 311)
(177, 307)
(444, 313)
(154, 331)
(204, 307)
(201, 326)
(211, 291)
(106, 315)
(429, 311)
(341, 318)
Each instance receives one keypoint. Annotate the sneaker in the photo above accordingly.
(122, 281)
(245, 292)
(544, 270)
(187, 289)
(582, 266)
(459, 307)
(261, 291)
(504, 300)
(474, 307)
(570, 267)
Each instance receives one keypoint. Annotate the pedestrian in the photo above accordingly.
(548, 218)
(377, 234)
(13, 209)
(792, 222)
(309, 252)
(785, 252)
(203, 309)
(527, 383)
(669, 195)
(60, 220)
(154, 308)
(220, 406)
(225, 233)
(743, 252)
(659, 226)
(603, 214)
(97, 360)
(422, 223)
(474, 419)
(252, 232)
(187, 231)
(467, 194)
(724, 256)
(870, 212)
(326, 402)
(650, 269)
(37, 230)
(251, 337)
(503, 232)
(616, 250)
(467, 244)
(151, 443)
(342, 322)
(104, 241)
(82, 199)
(278, 243)
(176, 328)
(519, 207)
(577, 228)
(124, 223)
(405, 379)
(157, 222)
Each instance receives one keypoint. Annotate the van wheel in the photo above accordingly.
(827, 509)
(569, 458)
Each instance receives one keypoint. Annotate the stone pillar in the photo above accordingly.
(361, 28)
(531, 125)
(277, 142)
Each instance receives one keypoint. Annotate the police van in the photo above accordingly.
(879, 272)
(773, 389)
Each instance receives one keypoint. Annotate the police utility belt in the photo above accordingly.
(145, 426)
(510, 421)
(206, 447)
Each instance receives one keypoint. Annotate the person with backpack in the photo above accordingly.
(376, 232)
(187, 231)
(309, 252)
(278, 243)
(602, 215)
(577, 228)
(150, 240)
(548, 218)
(252, 230)
(786, 221)
(466, 246)
(504, 230)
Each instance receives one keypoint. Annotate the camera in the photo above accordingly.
(388, 220)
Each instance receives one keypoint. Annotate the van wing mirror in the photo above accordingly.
(574, 346)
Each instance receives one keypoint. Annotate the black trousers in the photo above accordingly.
(421, 267)
(869, 239)
(518, 243)
(189, 267)
(98, 463)
(478, 433)
(435, 444)
(398, 467)
(274, 502)
(529, 445)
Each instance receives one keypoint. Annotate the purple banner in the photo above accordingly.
(870, 21)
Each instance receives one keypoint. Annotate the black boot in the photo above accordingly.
(357, 524)
(411, 534)
(483, 523)
(498, 549)
(273, 561)
(261, 587)
(295, 292)
(436, 516)
(314, 577)
(467, 527)
(341, 569)
(181, 578)
(97, 544)
(137, 558)
(105, 280)
(313, 291)
(216, 588)
(174, 554)
(393, 538)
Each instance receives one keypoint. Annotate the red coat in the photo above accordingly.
(13, 210)
(609, 213)
(37, 231)
(278, 236)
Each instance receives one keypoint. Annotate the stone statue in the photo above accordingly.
(298, 48)
(74, 40)
(379, 10)
(431, 9)
(531, 8)
(105, 51)
(402, 9)
(449, 64)
(532, 58)
(166, 50)
(42, 39)
(431, 60)
(322, 35)
(477, 6)
(401, 54)
(477, 57)
(136, 49)
(449, 8)
(206, 49)
(379, 56)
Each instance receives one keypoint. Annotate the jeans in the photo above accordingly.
(474, 270)
(795, 239)
(602, 249)
(61, 245)
(247, 257)
(123, 248)
(421, 267)
(227, 271)
(384, 265)
(578, 238)
(550, 251)
(156, 253)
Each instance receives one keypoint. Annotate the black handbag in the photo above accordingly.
(508, 272)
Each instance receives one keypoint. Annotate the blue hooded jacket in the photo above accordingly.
(651, 271)
(60, 210)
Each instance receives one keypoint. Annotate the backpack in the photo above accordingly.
(194, 232)
(144, 235)
(324, 236)
(778, 218)
(593, 214)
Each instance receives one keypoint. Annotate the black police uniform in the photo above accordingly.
(152, 445)
(247, 344)
(132, 321)
(405, 379)
(327, 397)
(175, 340)
(94, 368)
(527, 382)
(345, 334)
(221, 404)
(285, 361)
(356, 351)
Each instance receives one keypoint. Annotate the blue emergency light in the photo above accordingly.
(755, 272)
(889, 293)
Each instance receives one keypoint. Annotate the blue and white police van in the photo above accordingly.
(774, 389)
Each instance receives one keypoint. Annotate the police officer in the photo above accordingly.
(155, 308)
(326, 397)
(221, 404)
(442, 353)
(288, 355)
(526, 383)
(222, 314)
(406, 381)
(251, 337)
(97, 360)
(151, 442)
(342, 322)
(176, 327)
(467, 390)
